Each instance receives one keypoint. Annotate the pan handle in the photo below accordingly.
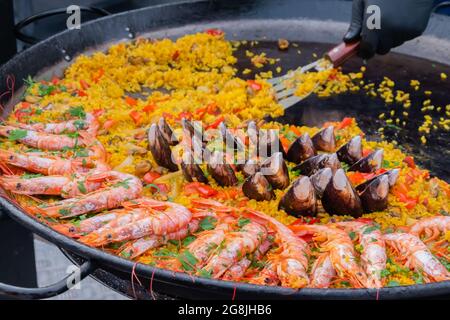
(39, 16)
(48, 291)
(342, 52)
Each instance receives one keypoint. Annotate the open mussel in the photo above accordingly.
(301, 149)
(300, 199)
(191, 170)
(375, 196)
(324, 140)
(340, 198)
(269, 143)
(275, 170)
(314, 164)
(392, 179)
(221, 171)
(167, 132)
(351, 152)
(258, 188)
(369, 164)
(249, 168)
(160, 149)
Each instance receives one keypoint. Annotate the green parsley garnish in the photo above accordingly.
(208, 223)
(242, 222)
(77, 112)
(17, 134)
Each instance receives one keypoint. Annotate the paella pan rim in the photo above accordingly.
(219, 288)
(108, 261)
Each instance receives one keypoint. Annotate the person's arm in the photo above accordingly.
(400, 21)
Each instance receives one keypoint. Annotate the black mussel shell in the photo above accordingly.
(229, 139)
(301, 149)
(324, 140)
(160, 149)
(258, 188)
(369, 164)
(350, 152)
(276, 171)
(314, 164)
(320, 180)
(221, 171)
(375, 196)
(167, 132)
(300, 199)
(192, 171)
(392, 179)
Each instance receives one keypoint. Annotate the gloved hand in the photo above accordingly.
(401, 20)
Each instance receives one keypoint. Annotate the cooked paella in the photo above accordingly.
(158, 152)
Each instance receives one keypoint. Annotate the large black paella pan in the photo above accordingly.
(314, 24)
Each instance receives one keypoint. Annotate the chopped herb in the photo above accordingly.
(242, 222)
(418, 278)
(392, 126)
(79, 124)
(338, 137)
(445, 262)
(45, 90)
(123, 184)
(126, 254)
(370, 229)
(187, 260)
(77, 112)
(208, 223)
(257, 264)
(64, 212)
(174, 242)
(17, 134)
(384, 273)
(345, 166)
(73, 135)
(345, 283)
(63, 88)
(164, 253)
(81, 153)
(188, 240)
(27, 175)
(205, 273)
(117, 245)
(82, 187)
(38, 112)
(352, 235)
(393, 283)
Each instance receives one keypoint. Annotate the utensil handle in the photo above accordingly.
(342, 52)
(45, 292)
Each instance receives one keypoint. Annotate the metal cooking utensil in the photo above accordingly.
(333, 58)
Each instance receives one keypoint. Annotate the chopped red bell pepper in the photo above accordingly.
(150, 176)
(84, 84)
(176, 55)
(199, 188)
(55, 80)
(81, 93)
(295, 130)
(184, 114)
(214, 32)
(410, 162)
(130, 101)
(109, 124)
(136, 116)
(98, 75)
(345, 123)
(216, 123)
(149, 108)
(254, 85)
(366, 152)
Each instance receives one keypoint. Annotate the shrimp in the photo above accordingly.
(417, 256)
(290, 264)
(88, 225)
(158, 218)
(67, 187)
(322, 272)
(432, 227)
(237, 244)
(340, 247)
(373, 255)
(89, 123)
(44, 165)
(47, 141)
(125, 187)
(136, 248)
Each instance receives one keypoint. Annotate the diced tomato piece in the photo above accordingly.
(285, 142)
(167, 115)
(130, 101)
(184, 114)
(55, 80)
(98, 112)
(345, 123)
(295, 130)
(149, 108)
(214, 32)
(84, 84)
(150, 176)
(366, 152)
(216, 123)
(410, 162)
(206, 191)
(254, 85)
(98, 75)
(136, 116)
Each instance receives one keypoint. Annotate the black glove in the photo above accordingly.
(401, 20)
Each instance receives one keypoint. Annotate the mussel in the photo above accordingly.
(193, 129)
(249, 168)
(324, 140)
(269, 143)
(160, 149)
(221, 172)
(369, 164)
(314, 164)
(258, 188)
(350, 152)
(340, 198)
(301, 149)
(300, 199)
(392, 179)
(275, 170)
(320, 180)
(191, 170)
(375, 196)
(167, 132)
